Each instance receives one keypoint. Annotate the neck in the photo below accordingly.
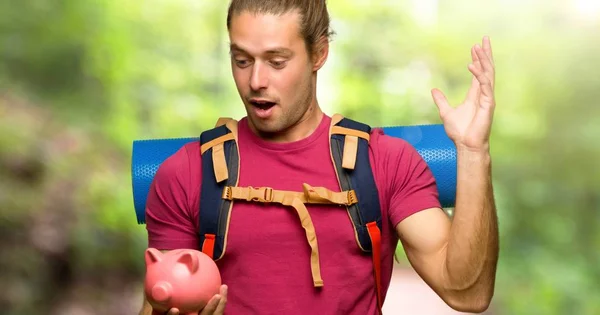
(305, 126)
(301, 129)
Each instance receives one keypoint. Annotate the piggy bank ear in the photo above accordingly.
(153, 255)
(190, 261)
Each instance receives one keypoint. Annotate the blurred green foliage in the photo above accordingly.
(80, 80)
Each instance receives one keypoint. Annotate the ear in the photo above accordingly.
(190, 261)
(320, 53)
(153, 255)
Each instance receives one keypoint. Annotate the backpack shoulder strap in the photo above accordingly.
(220, 168)
(349, 142)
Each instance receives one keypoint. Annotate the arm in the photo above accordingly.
(458, 257)
(170, 221)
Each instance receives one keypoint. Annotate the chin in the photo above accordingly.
(268, 128)
(264, 126)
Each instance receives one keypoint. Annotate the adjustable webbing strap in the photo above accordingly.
(218, 155)
(297, 200)
(309, 195)
(350, 144)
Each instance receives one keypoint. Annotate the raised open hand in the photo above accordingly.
(469, 124)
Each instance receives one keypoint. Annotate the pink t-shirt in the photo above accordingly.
(267, 262)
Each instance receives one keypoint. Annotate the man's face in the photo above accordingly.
(271, 69)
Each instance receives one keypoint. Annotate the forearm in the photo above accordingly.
(472, 250)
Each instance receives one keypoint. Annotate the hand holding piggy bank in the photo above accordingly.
(184, 279)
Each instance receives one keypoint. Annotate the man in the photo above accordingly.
(277, 48)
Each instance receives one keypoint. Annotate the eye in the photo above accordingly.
(278, 64)
(241, 63)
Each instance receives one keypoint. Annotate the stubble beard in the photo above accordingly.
(291, 115)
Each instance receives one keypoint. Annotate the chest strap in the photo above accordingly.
(297, 200)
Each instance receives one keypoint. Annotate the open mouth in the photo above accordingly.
(261, 104)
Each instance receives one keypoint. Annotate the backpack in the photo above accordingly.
(349, 148)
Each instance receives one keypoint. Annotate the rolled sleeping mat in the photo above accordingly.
(431, 141)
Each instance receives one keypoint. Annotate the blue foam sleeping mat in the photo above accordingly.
(430, 141)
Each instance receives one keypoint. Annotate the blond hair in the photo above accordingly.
(314, 17)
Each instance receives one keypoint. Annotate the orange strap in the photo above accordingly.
(223, 121)
(219, 164)
(375, 235)
(310, 194)
(218, 149)
(218, 155)
(208, 246)
(350, 150)
(219, 140)
(311, 236)
(297, 200)
(350, 144)
(350, 132)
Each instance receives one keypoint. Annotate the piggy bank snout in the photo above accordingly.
(162, 291)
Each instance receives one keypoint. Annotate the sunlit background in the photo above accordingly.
(81, 79)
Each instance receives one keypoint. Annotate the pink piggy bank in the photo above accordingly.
(184, 278)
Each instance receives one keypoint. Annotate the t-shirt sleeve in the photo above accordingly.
(411, 184)
(169, 221)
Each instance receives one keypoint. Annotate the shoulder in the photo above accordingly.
(396, 163)
(407, 182)
(180, 165)
(390, 149)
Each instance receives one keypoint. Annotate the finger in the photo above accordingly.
(173, 311)
(223, 290)
(485, 84)
(487, 47)
(221, 307)
(479, 74)
(210, 308)
(473, 92)
(474, 54)
(440, 100)
(486, 63)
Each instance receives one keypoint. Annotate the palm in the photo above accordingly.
(469, 124)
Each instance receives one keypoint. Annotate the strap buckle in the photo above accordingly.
(352, 199)
(261, 194)
(227, 193)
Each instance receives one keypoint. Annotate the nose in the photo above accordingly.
(161, 292)
(259, 78)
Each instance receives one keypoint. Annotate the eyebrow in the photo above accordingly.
(272, 51)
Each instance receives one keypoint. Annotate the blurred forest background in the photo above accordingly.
(81, 79)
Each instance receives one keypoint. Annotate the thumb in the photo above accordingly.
(440, 100)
